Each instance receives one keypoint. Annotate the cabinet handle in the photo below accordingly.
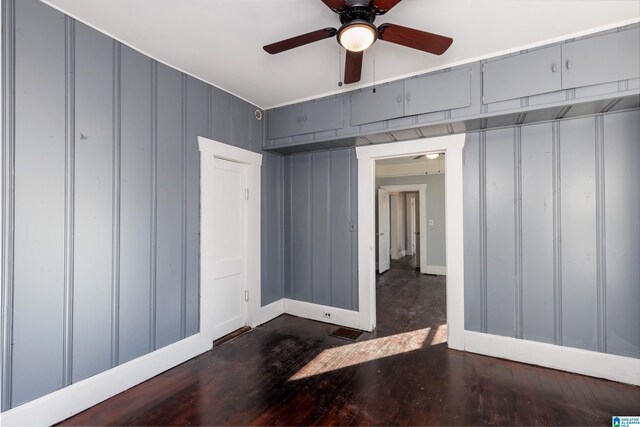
(304, 118)
(299, 119)
(568, 65)
(399, 99)
(554, 68)
(408, 97)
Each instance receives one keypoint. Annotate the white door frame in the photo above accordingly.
(209, 150)
(452, 145)
(421, 189)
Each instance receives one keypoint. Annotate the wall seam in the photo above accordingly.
(601, 236)
(8, 196)
(209, 112)
(310, 222)
(154, 206)
(183, 213)
(67, 335)
(483, 230)
(557, 239)
(329, 224)
(518, 230)
(115, 208)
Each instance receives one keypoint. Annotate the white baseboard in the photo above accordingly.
(270, 312)
(585, 362)
(398, 255)
(440, 270)
(339, 316)
(68, 401)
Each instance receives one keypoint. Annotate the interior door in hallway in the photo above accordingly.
(384, 257)
(229, 252)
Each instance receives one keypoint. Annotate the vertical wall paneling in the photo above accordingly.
(115, 208)
(220, 115)
(482, 183)
(353, 225)
(600, 234)
(500, 218)
(169, 210)
(472, 262)
(288, 230)
(93, 197)
(621, 158)
(272, 228)
(40, 160)
(557, 231)
(340, 236)
(321, 228)
(101, 198)
(153, 212)
(578, 216)
(301, 227)
(197, 117)
(183, 214)
(69, 175)
(537, 233)
(8, 167)
(517, 177)
(136, 206)
(320, 242)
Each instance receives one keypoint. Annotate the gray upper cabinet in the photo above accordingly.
(387, 103)
(526, 74)
(325, 114)
(603, 59)
(317, 116)
(286, 121)
(437, 92)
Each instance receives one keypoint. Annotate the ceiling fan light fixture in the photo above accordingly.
(433, 156)
(357, 35)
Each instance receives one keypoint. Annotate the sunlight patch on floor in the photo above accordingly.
(367, 351)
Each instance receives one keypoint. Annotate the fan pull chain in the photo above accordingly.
(339, 67)
(374, 68)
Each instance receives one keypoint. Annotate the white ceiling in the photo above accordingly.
(220, 41)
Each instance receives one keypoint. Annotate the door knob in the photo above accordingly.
(554, 68)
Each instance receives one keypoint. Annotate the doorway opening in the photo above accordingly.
(452, 146)
(410, 236)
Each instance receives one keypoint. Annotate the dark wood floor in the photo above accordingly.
(291, 372)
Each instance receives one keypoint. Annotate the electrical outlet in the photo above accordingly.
(326, 315)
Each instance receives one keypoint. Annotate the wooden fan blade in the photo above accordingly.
(300, 40)
(353, 67)
(416, 39)
(335, 5)
(383, 6)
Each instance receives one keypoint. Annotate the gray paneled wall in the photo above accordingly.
(540, 202)
(101, 241)
(436, 237)
(320, 233)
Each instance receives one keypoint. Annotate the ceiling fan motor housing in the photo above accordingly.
(357, 12)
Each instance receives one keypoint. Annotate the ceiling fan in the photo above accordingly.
(358, 32)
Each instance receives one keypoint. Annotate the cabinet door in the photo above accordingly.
(387, 103)
(526, 74)
(326, 114)
(286, 121)
(602, 59)
(437, 92)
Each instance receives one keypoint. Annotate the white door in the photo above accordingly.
(229, 228)
(416, 215)
(384, 260)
